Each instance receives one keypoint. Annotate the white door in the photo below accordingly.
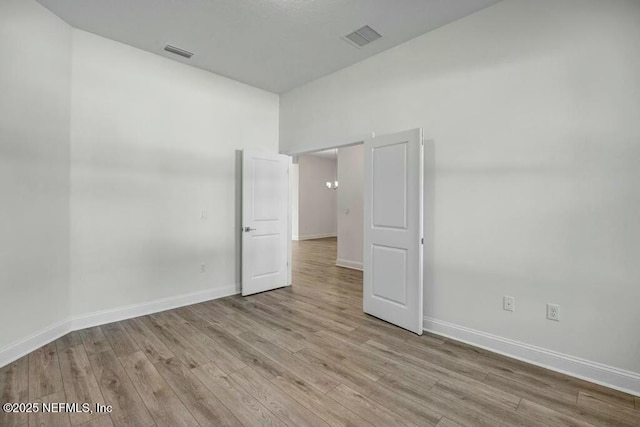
(393, 229)
(265, 218)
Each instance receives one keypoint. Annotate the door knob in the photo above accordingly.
(248, 229)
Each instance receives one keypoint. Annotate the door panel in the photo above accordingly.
(265, 201)
(389, 196)
(393, 286)
(389, 267)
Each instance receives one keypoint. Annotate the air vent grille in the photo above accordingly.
(178, 51)
(363, 36)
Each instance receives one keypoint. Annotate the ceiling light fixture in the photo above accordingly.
(334, 185)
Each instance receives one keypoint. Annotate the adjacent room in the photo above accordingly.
(314, 204)
(312, 213)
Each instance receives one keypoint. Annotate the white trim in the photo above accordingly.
(355, 265)
(289, 225)
(294, 237)
(135, 310)
(18, 349)
(315, 236)
(608, 376)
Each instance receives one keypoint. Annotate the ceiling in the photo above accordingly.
(275, 45)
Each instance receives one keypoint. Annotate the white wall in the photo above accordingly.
(533, 107)
(350, 192)
(35, 80)
(317, 214)
(153, 145)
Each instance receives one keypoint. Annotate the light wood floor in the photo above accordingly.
(299, 356)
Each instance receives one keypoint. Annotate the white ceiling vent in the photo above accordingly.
(363, 36)
(178, 51)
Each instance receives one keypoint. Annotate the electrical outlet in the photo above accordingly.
(203, 268)
(553, 312)
(509, 303)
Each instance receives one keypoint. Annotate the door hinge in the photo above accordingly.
(422, 241)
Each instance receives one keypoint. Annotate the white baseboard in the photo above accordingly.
(608, 376)
(18, 349)
(315, 236)
(14, 351)
(136, 310)
(349, 264)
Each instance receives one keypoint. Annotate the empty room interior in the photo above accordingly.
(320, 213)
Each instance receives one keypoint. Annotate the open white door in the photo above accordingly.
(392, 255)
(265, 218)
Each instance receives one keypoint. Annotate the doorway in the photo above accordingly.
(327, 202)
(391, 218)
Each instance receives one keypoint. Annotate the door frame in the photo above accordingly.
(428, 199)
(241, 189)
(291, 156)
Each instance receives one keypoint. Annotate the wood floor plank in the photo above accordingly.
(374, 413)
(52, 419)
(202, 404)
(533, 375)
(179, 345)
(149, 343)
(202, 319)
(427, 361)
(608, 413)
(119, 339)
(542, 415)
(119, 391)
(295, 365)
(210, 349)
(541, 394)
(163, 404)
(446, 422)
(464, 400)
(491, 395)
(244, 406)
(276, 336)
(214, 307)
(321, 320)
(69, 340)
(80, 383)
(94, 340)
(604, 394)
(101, 421)
(332, 412)
(14, 388)
(288, 410)
(551, 398)
(412, 384)
(294, 301)
(251, 357)
(277, 325)
(360, 359)
(419, 346)
(45, 377)
(300, 324)
(397, 400)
